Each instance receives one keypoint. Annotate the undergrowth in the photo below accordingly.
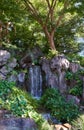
(20, 103)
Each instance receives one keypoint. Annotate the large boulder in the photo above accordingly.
(7, 64)
(74, 67)
(17, 124)
(51, 80)
(55, 70)
(59, 65)
(18, 78)
(21, 80)
(12, 63)
(4, 57)
(74, 99)
(21, 77)
(13, 78)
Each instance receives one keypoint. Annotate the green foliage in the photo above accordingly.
(77, 91)
(81, 60)
(69, 75)
(5, 89)
(78, 124)
(77, 88)
(76, 58)
(28, 33)
(20, 103)
(57, 105)
(52, 53)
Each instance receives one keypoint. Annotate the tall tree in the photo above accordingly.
(50, 14)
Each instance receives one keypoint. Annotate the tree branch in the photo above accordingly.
(59, 19)
(51, 10)
(34, 12)
(48, 3)
(62, 15)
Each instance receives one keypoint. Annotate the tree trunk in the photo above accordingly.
(51, 42)
(50, 37)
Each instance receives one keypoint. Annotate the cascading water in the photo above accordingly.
(35, 81)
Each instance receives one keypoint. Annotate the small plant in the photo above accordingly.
(76, 90)
(52, 53)
(69, 75)
(57, 105)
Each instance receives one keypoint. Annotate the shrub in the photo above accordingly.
(20, 103)
(57, 105)
(77, 89)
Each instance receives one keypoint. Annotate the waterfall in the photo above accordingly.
(35, 81)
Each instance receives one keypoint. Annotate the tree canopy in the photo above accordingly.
(51, 14)
(51, 23)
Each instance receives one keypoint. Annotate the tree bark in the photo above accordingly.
(51, 42)
(50, 37)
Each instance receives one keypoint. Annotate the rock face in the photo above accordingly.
(4, 57)
(74, 67)
(51, 80)
(59, 64)
(31, 57)
(7, 64)
(17, 124)
(75, 99)
(21, 79)
(54, 70)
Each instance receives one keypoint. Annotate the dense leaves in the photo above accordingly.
(20, 103)
(58, 106)
(76, 79)
(28, 32)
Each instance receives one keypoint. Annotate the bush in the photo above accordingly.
(77, 89)
(57, 105)
(20, 103)
(76, 58)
